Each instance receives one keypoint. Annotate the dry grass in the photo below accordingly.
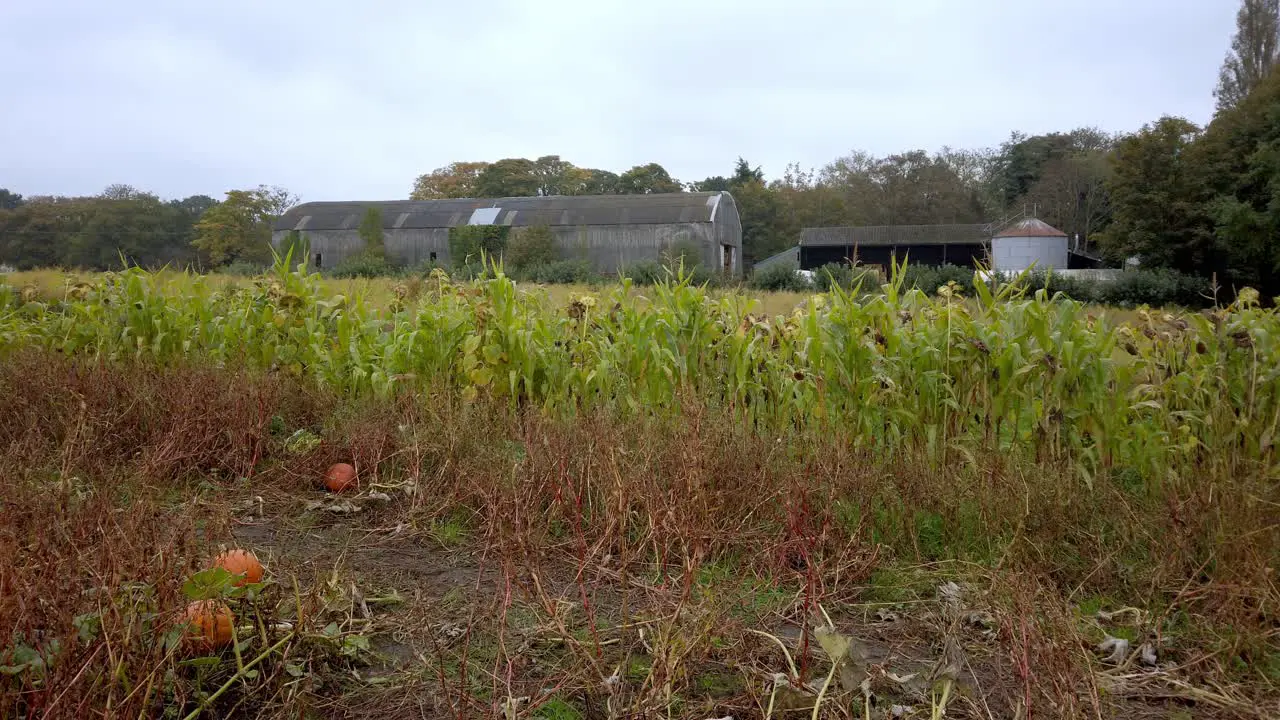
(592, 567)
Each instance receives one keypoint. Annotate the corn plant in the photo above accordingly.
(949, 374)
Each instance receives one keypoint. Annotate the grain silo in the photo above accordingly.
(1028, 243)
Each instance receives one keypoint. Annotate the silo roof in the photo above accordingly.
(1030, 227)
(656, 209)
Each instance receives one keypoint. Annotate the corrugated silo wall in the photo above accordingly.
(729, 232)
(610, 248)
(1015, 254)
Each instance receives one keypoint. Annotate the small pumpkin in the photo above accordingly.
(208, 624)
(340, 478)
(241, 563)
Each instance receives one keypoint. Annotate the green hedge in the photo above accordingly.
(560, 272)
(784, 277)
(1156, 287)
(366, 265)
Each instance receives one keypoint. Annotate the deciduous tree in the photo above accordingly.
(512, 177)
(9, 200)
(239, 228)
(455, 180)
(1157, 209)
(600, 182)
(647, 179)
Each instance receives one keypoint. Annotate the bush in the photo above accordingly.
(424, 268)
(468, 242)
(365, 265)
(530, 247)
(370, 231)
(470, 270)
(244, 268)
(928, 278)
(645, 272)
(700, 275)
(1078, 289)
(784, 277)
(1157, 287)
(650, 272)
(686, 251)
(562, 272)
(845, 277)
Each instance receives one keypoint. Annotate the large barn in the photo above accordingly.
(879, 246)
(610, 231)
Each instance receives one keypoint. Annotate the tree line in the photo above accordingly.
(124, 225)
(1062, 174)
(1202, 200)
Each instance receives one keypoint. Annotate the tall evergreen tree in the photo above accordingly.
(1254, 51)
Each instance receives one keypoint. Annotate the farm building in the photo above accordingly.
(878, 245)
(1011, 247)
(788, 257)
(610, 231)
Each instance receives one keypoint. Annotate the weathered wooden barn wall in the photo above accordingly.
(610, 232)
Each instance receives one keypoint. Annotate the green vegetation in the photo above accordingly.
(653, 493)
(784, 277)
(530, 248)
(660, 498)
(375, 244)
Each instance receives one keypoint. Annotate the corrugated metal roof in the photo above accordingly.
(1030, 227)
(893, 235)
(523, 211)
(790, 256)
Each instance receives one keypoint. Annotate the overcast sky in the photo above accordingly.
(344, 100)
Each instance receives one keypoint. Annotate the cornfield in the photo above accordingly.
(1166, 396)
(679, 505)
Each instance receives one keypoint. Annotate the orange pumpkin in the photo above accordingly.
(241, 563)
(340, 477)
(208, 624)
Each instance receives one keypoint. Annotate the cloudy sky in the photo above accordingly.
(343, 100)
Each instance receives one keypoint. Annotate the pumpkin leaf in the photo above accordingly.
(353, 645)
(294, 670)
(22, 658)
(330, 630)
(87, 627)
(215, 582)
(173, 638)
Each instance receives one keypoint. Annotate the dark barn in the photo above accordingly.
(880, 245)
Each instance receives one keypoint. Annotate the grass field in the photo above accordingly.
(613, 502)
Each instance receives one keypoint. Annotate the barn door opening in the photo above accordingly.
(726, 255)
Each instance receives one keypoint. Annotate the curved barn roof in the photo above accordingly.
(1030, 227)
(552, 210)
